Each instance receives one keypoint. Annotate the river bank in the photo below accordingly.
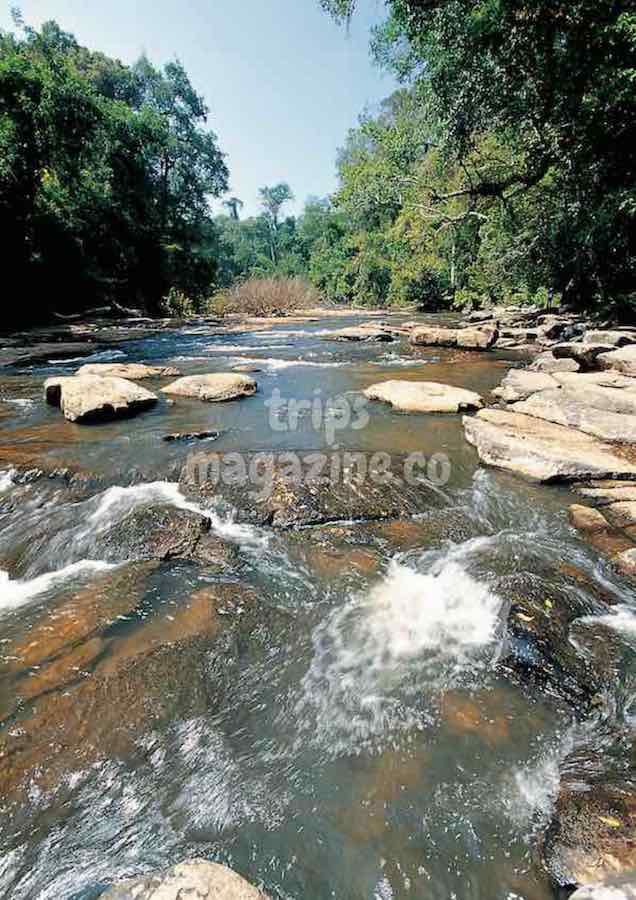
(430, 684)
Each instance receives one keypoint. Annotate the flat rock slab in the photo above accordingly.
(623, 360)
(562, 408)
(424, 396)
(213, 388)
(478, 338)
(547, 362)
(521, 383)
(91, 398)
(369, 333)
(611, 492)
(196, 879)
(133, 371)
(40, 353)
(541, 450)
(616, 338)
(584, 380)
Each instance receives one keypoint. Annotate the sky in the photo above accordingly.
(283, 82)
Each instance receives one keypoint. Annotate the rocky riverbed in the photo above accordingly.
(344, 602)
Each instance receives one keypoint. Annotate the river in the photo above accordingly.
(341, 728)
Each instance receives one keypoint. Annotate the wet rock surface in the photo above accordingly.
(299, 490)
(592, 833)
(196, 878)
(164, 533)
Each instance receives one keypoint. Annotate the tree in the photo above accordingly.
(272, 200)
(235, 206)
(551, 81)
(105, 176)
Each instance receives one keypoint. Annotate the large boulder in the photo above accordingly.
(541, 450)
(91, 398)
(213, 388)
(424, 396)
(623, 360)
(521, 383)
(478, 338)
(196, 879)
(562, 408)
(133, 371)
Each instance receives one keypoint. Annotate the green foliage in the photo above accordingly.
(528, 109)
(105, 175)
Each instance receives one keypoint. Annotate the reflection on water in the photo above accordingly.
(328, 718)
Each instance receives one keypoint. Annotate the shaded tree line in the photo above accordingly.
(106, 172)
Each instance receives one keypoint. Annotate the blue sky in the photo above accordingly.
(283, 82)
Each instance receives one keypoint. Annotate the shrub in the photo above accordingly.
(176, 304)
(274, 296)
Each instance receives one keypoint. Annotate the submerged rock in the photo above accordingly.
(478, 338)
(134, 371)
(591, 835)
(424, 396)
(213, 388)
(91, 398)
(191, 436)
(196, 878)
(289, 489)
(163, 533)
(541, 450)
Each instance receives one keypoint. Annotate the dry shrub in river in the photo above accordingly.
(274, 296)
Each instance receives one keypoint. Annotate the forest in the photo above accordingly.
(502, 170)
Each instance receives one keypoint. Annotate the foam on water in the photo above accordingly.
(276, 364)
(376, 656)
(22, 402)
(6, 479)
(621, 618)
(100, 356)
(17, 593)
(116, 502)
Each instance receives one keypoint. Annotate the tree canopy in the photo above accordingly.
(105, 176)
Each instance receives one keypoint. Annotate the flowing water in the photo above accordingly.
(352, 736)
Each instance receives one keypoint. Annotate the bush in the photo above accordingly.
(176, 304)
(275, 296)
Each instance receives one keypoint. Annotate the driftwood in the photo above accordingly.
(114, 309)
